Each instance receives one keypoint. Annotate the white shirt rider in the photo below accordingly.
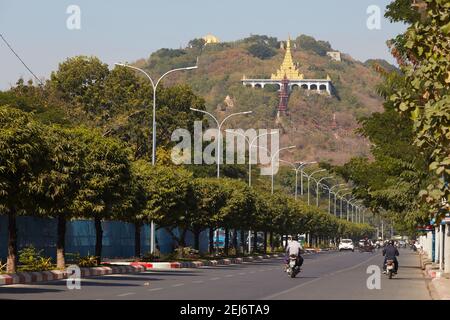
(293, 247)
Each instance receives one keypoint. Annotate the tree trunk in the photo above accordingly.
(227, 241)
(11, 263)
(137, 239)
(61, 242)
(98, 239)
(243, 241)
(271, 242)
(255, 241)
(183, 238)
(265, 242)
(197, 239)
(211, 240)
(235, 241)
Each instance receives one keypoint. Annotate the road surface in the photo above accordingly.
(329, 276)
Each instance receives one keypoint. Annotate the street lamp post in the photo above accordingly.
(273, 157)
(250, 145)
(154, 86)
(297, 169)
(317, 189)
(349, 202)
(309, 178)
(303, 164)
(330, 191)
(219, 127)
(342, 197)
(335, 198)
(352, 205)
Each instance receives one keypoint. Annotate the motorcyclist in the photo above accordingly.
(390, 252)
(294, 248)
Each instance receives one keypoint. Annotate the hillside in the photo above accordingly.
(322, 127)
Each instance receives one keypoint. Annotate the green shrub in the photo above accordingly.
(32, 260)
(88, 261)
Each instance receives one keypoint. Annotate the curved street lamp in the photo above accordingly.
(335, 198)
(309, 178)
(341, 198)
(273, 157)
(317, 188)
(155, 86)
(219, 127)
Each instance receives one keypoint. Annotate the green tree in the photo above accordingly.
(24, 158)
(165, 194)
(423, 52)
(207, 199)
(63, 180)
(106, 177)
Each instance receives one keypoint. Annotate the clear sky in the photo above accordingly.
(129, 30)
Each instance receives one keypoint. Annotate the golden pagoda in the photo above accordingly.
(287, 68)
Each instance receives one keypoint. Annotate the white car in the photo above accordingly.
(346, 244)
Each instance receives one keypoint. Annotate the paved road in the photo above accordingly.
(334, 275)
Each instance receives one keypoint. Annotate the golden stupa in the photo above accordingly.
(287, 68)
(209, 38)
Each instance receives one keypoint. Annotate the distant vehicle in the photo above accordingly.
(366, 246)
(346, 244)
(402, 244)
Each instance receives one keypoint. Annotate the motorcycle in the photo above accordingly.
(292, 269)
(390, 268)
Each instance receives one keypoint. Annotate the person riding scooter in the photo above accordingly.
(294, 248)
(390, 252)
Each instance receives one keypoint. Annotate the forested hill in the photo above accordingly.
(323, 128)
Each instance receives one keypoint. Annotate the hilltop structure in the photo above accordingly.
(209, 38)
(289, 77)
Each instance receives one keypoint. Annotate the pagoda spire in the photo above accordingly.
(287, 68)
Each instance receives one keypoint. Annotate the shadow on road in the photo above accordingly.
(16, 290)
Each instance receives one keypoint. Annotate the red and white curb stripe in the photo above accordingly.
(197, 264)
(31, 277)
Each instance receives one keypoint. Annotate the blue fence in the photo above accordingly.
(118, 237)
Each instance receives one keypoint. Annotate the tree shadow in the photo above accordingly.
(22, 290)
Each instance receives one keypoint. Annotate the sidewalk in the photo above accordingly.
(439, 283)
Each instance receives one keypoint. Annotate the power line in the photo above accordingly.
(12, 50)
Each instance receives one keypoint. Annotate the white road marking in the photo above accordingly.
(126, 294)
(242, 273)
(178, 285)
(317, 279)
(229, 276)
(198, 281)
(216, 278)
(155, 289)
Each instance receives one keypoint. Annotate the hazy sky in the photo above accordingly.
(122, 30)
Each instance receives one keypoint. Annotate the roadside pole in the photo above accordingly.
(441, 246)
(430, 244)
(447, 249)
(436, 244)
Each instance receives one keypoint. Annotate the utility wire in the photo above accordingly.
(12, 50)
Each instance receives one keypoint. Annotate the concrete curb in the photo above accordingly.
(32, 277)
(198, 264)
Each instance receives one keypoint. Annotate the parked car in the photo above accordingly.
(346, 244)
